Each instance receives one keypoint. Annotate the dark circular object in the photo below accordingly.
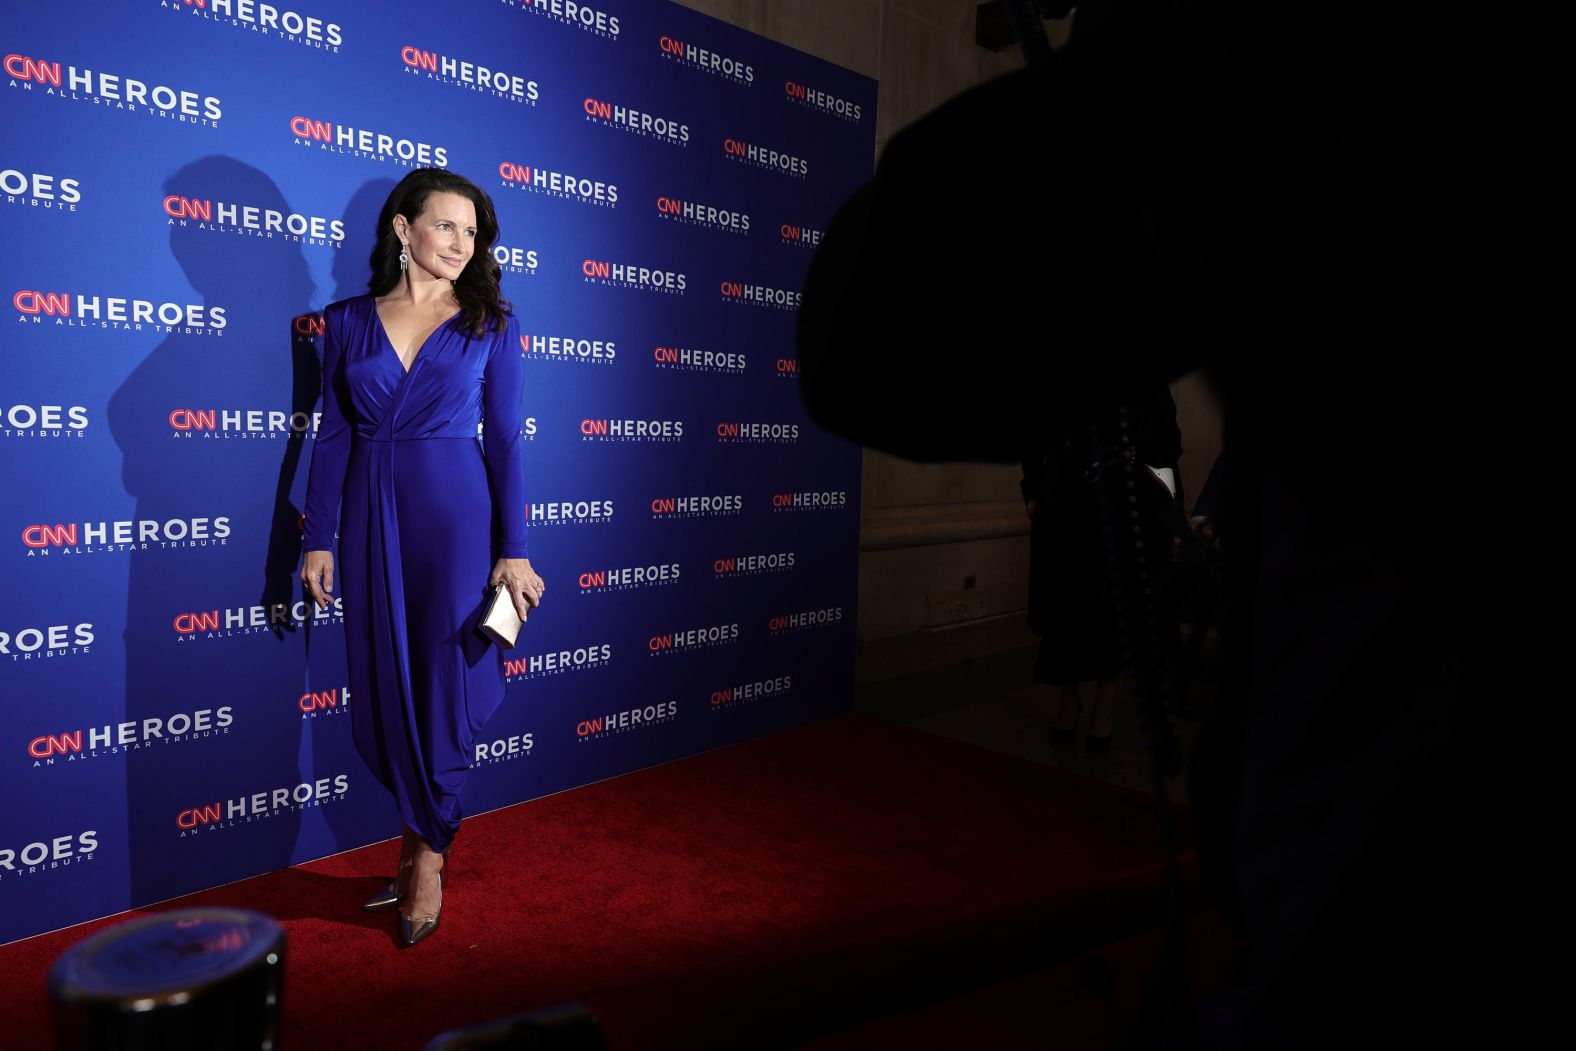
(190, 978)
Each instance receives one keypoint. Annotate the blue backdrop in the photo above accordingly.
(185, 185)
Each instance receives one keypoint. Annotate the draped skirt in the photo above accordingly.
(416, 550)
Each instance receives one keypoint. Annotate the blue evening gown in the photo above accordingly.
(427, 508)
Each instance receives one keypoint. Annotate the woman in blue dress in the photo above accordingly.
(429, 517)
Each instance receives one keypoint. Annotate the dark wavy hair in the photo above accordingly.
(482, 307)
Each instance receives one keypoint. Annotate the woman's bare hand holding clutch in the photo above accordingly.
(525, 587)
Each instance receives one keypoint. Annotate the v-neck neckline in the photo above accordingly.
(388, 341)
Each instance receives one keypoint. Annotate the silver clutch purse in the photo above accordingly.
(499, 619)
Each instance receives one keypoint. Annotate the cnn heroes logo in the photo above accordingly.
(324, 703)
(118, 313)
(697, 506)
(265, 20)
(328, 137)
(88, 538)
(558, 662)
(737, 432)
(250, 220)
(241, 423)
(43, 856)
(626, 578)
(800, 236)
(95, 742)
(693, 359)
(580, 349)
(634, 121)
(821, 101)
(755, 156)
(571, 13)
(52, 193)
(824, 500)
(689, 639)
(43, 421)
(630, 275)
(259, 806)
(681, 53)
(711, 217)
(804, 620)
(628, 720)
(743, 693)
(551, 183)
(759, 295)
(602, 430)
(111, 91)
(198, 625)
(55, 640)
(752, 565)
(471, 76)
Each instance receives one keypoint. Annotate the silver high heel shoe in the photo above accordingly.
(412, 931)
(383, 900)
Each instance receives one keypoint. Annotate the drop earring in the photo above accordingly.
(404, 258)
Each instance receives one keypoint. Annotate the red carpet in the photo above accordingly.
(751, 896)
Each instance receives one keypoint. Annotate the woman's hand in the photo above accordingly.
(317, 572)
(525, 587)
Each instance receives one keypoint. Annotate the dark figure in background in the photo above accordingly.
(1358, 223)
(1205, 519)
(1071, 606)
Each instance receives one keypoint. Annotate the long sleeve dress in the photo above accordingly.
(424, 509)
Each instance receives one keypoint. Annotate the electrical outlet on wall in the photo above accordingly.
(971, 603)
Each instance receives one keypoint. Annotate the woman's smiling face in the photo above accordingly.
(442, 238)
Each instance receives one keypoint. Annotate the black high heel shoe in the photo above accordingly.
(411, 930)
(1058, 735)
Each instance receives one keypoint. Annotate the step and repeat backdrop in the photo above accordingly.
(185, 185)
